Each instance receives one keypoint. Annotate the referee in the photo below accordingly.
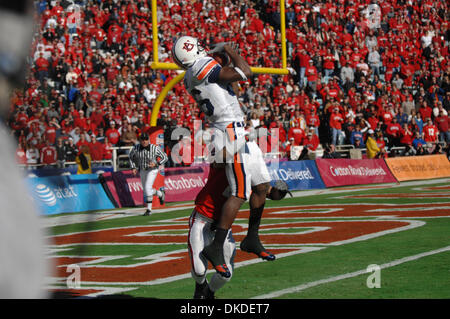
(146, 158)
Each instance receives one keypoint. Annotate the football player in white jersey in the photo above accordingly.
(210, 84)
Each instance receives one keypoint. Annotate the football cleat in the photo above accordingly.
(202, 291)
(215, 257)
(254, 246)
(147, 213)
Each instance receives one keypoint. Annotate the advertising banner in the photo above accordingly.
(180, 184)
(419, 167)
(125, 189)
(184, 183)
(341, 172)
(299, 175)
(68, 194)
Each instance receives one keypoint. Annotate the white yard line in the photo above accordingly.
(302, 287)
(92, 217)
(360, 188)
(136, 211)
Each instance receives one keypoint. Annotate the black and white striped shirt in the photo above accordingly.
(141, 157)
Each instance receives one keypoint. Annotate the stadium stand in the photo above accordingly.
(354, 65)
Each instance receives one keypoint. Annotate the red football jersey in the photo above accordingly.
(210, 199)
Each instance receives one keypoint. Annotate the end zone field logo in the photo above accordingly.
(120, 266)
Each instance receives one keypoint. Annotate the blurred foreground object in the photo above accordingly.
(23, 263)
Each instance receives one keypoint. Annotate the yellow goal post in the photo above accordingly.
(156, 65)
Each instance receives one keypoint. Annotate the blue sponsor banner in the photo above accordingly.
(299, 175)
(72, 169)
(68, 194)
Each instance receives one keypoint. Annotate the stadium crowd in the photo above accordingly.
(359, 69)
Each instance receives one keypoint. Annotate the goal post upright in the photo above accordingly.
(156, 65)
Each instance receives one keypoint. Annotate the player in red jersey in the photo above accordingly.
(208, 208)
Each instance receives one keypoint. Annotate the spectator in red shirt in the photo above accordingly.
(312, 77)
(51, 131)
(328, 64)
(48, 154)
(107, 149)
(297, 133)
(113, 133)
(42, 66)
(381, 143)
(96, 149)
(310, 144)
(425, 110)
(80, 121)
(313, 120)
(336, 121)
(21, 156)
(82, 141)
(430, 132)
(393, 132)
(97, 117)
(406, 136)
(303, 62)
(387, 116)
(442, 123)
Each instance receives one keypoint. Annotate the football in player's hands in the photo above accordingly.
(217, 47)
(222, 58)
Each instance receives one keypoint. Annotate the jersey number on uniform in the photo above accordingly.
(205, 105)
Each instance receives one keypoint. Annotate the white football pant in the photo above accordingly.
(201, 235)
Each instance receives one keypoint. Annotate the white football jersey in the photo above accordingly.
(218, 101)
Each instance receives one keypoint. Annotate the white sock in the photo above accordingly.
(149, 205)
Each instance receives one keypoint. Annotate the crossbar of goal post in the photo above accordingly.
(156, 65)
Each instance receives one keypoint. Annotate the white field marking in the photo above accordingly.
(280, 232)
(49, 221)
(337, 190)
(158, 232)
(428, 189)
(91, 263)
(152, 259)
(105, 291)
(300, 210)
(412, 224)
(298, 250)
(394, 263)
(387, 207)
(393, 196)
(73, 218)
(402, 209)
(166, 223)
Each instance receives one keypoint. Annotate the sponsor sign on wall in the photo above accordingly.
(298, 175)
(67, 194)
(341, 172)
(419, 167)
(183, 184)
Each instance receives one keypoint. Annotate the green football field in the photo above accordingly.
(369, 242)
